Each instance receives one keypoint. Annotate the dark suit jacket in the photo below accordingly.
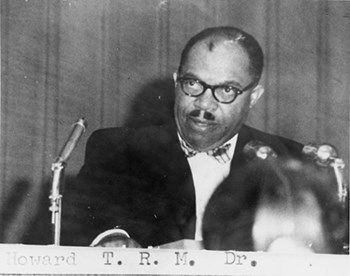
(140, 180)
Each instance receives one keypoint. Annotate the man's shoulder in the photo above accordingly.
(138, 147)
(120, 135)
(280, 144)
(265, 136)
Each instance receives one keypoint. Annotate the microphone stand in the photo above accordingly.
(58, 174)
(338, 166)
(56, 199)
(325, 155)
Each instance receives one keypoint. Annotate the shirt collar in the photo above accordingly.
(189, 151)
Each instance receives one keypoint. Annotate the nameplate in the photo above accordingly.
(28, 259)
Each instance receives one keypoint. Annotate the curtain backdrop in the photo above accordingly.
(111, 61)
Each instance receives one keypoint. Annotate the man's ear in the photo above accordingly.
(256, 94)
(175, 77)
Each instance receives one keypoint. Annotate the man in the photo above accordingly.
(152, 184)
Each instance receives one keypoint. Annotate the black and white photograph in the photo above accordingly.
(175, 137)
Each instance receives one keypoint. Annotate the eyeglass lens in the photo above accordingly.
(223, 94)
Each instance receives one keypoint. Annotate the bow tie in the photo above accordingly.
(219, 153)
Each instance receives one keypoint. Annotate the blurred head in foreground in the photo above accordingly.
(281, 206)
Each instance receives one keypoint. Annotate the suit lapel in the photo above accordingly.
(178, 189)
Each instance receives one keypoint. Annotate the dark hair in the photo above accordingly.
(279, 186)
(245, 40)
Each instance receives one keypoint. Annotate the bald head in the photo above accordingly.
(213, 37)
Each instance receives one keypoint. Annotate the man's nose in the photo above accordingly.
(206, 101)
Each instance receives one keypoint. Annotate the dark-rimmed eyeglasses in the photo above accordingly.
(221, 93)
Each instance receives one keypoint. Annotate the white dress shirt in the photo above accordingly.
(207, 174)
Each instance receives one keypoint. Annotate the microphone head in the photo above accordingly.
(258, 150)
(326, 154)
(323, 154)
(310, 150)
(78, 129)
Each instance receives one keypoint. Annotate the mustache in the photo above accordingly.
(206, 115)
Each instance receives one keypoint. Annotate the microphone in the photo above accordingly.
(78, 129)
(58, 169)
(257, 149)
(326, 155)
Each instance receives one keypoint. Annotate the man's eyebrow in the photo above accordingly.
(191, 76)
(231, 83)
(225, 83)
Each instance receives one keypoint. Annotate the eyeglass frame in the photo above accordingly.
(213, 88)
